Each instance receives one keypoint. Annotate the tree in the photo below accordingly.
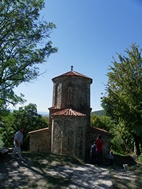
(123, 101)
(25, 117)
(23, 45)
(102, 122)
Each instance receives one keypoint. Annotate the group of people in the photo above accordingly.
(96, 151)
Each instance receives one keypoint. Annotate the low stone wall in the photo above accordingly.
(40, 140)
(94, 132)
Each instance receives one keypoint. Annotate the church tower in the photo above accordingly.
(70, 114)
(69, 132)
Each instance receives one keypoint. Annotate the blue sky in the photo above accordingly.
(88, 34)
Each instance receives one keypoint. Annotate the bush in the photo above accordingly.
(140, 158)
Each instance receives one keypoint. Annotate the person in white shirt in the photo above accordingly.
(18, 140)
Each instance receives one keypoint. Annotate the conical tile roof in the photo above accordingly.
(72, 73)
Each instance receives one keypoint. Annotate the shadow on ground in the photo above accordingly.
(119, 161)
(37, 171)
(129, 178)
(49, 171)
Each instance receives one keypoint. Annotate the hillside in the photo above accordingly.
(99, 112)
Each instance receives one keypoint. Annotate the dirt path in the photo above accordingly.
(25, 175)
(50, 171)
(89, 176)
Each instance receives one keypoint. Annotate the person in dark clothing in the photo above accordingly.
(93, 153)
(111, 158)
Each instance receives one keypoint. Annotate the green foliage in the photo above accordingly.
(22, 33)
(140, 158)
(46, 119)
(7, 137)
(103, 122)
(123, 101)
(122, 140)
(27, 118)
(1, 143)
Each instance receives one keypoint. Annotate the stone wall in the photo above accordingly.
(72, 92)
(68, 136)
(94, 132)
(40, 140)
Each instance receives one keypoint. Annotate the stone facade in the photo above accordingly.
(40, 140)
(68, 136)
(69, 131)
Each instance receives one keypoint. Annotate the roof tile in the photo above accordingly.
(68, 112)
(72, 73)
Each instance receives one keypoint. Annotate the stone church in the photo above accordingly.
(69, 131)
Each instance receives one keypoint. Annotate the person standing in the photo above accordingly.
(93, 153)
(18, 140)
(111, 158)
(99, 146)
